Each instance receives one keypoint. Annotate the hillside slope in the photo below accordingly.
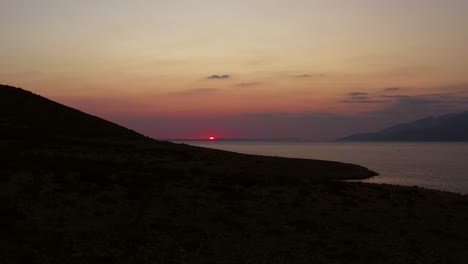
(29, 116)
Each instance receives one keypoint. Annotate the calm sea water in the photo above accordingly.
(441, 166)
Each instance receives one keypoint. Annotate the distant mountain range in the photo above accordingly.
(451, 127)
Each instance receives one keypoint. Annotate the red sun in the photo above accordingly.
(211, 138)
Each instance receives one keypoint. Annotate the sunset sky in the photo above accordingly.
(258, 68)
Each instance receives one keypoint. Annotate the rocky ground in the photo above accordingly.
(140, 202)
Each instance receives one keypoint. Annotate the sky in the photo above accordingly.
(315, 70)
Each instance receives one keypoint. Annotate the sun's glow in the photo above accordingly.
(211, 138)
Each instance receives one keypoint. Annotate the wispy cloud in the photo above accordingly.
(425, 99)
(364, 101)
(398, 96)
(225, 76)
(246, 84)
(303, 76)
(392, 89)
(428, 100)
(353, 94)
(362, 98)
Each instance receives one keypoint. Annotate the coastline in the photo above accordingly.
(437, 166)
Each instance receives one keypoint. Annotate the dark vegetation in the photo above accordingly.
(78, 189)
(451, 127)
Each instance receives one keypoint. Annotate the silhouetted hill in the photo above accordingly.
(451, 127)
(29, 118)
(27, 115)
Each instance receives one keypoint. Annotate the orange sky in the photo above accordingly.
(223, 60)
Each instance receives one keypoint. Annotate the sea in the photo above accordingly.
(439, 166)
